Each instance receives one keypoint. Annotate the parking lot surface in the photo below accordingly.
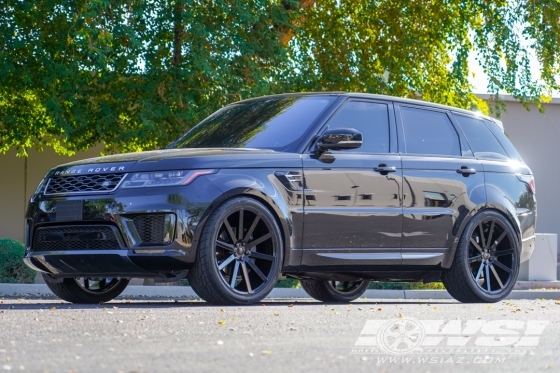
(289, 335)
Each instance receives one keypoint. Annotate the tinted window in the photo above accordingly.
(429, 132)
(508, 146)
(483, 143)
(276, 123)
(371, 119)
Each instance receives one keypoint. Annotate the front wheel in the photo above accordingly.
(240, 254)
(87, 290)
(334, 291)
(486, 262)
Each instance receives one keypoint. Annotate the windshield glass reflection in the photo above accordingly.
(276, 123)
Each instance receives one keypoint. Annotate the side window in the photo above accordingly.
(508, 146)
(371, 119)
(429, 132)
(482, 141)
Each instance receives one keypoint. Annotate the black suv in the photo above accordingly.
(333, 189)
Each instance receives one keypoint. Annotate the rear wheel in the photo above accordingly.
(240, 254)
(87, 290)
(486, 262)
(334, 291)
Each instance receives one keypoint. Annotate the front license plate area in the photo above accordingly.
(69, 210)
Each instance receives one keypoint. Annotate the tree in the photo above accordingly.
(420, 48)
(135, 74)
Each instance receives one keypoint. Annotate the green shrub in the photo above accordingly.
(288, 283)
(12, 268)
(406, 286)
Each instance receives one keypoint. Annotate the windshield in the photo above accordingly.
(276, 123)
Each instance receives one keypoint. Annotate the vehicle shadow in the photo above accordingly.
(15, 304)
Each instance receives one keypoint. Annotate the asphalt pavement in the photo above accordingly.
(522, 290)
(41, 334)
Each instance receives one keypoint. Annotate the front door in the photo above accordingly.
(353, 203)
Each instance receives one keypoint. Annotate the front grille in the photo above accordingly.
(83, 184)
(151, 228)
(93, 237)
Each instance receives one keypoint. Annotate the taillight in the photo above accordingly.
(529, 180)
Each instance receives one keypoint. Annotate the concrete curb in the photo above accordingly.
(186, 292)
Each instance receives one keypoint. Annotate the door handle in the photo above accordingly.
(466, 170)
(384, 168)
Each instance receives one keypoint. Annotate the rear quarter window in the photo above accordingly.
(483, 142)
(508, 146)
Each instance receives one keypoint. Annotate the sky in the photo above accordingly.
(480, 79)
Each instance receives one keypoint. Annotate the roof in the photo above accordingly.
(378, 97)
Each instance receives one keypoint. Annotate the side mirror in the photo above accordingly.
(340, 139)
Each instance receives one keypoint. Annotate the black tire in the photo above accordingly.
(71, 290)
(486, 263)
(334, 291)
(225, 255)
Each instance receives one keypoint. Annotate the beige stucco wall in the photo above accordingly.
(537, 138)
(19, 178)
(12, 195)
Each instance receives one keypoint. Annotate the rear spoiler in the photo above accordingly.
(499, 123)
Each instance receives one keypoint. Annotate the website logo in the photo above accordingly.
(474, 340)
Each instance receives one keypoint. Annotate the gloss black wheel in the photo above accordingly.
(334, 291)
(87, 290)
(486, 263)
(240, 254)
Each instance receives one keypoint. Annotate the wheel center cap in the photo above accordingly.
(239, 251)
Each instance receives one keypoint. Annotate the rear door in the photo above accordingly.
(505, 174)
(442, 182)
(353, 211)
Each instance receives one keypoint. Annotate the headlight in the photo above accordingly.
(40, 189)
(163, 178)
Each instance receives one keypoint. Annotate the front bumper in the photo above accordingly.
(109, 263)
(116, 235)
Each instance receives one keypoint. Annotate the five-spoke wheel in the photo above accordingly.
(486, 263)
(239, 255)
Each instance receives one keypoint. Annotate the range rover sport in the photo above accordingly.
(333, 189)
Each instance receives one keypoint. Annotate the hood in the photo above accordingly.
(177, 159)
(157, 155)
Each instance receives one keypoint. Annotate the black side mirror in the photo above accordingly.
(340, 139)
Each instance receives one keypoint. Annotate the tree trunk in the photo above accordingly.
(178, 33)
(287, 33)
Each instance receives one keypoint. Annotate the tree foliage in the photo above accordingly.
(134, 74)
